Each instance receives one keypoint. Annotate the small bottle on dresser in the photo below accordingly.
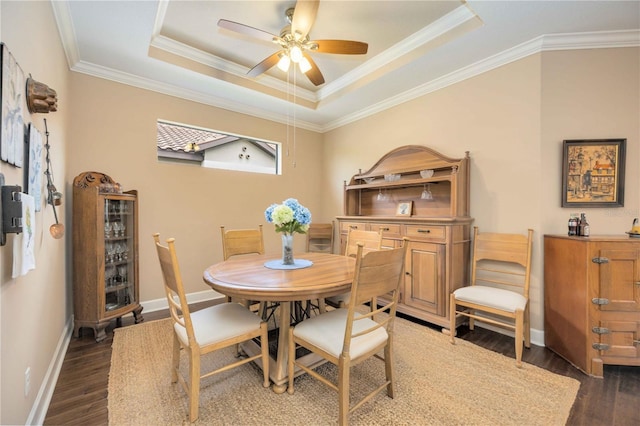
(583, 226)
(573, 224)
(585, 229)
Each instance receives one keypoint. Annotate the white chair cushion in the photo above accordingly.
(492, 297)
(218, 323)
(326, 331)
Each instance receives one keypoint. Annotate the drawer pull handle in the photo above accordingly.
(353, 226)
(386, 229)
(424, 231)
(636, 342)
(600, 346)
(637, 283)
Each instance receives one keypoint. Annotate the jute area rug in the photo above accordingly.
(436, 384)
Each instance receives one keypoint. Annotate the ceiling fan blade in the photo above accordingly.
(345, 47)
(304, 16)
(314, 74)
(265, 64)
(246, 30)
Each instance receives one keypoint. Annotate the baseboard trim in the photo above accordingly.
(41, 404)
(45, 393)
(537, 336)
(159, 304)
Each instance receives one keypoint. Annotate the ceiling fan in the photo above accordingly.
(295, 43)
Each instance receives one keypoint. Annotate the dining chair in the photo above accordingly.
(346, 337)
(320, 237)
(499, 287)
(204, 331)
(237, 242)
(241, 241)
(371, 240)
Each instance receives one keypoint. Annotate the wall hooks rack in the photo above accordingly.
(10, 210)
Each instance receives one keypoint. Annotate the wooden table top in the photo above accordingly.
(247, 278)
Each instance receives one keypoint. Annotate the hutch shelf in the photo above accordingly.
(105, 253)
(418, 193)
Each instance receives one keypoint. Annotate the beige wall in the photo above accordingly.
(512, 120)
(34, 307)
(114, 131)
(590, 94)
(494, 116)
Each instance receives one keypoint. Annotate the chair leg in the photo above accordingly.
(290, 361)
(322, 308)
(452, 316)
(527, 327)
(519, 337)
(388, 366)
(194, 385)
(344, 368)
(175, 358)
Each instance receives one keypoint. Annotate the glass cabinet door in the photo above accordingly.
(119, 274)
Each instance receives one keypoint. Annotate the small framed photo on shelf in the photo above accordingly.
(404, 208)
(593, 173)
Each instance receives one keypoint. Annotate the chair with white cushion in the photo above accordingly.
(346, 337)
(371, 241)
(499, 290)
(205, 331)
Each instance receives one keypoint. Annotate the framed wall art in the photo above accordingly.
(12, 91)
(404, 208)
(593, 173)
(33, 165)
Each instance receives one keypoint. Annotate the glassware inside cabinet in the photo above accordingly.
(119, 263)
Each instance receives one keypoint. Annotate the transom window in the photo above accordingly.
(210, 148)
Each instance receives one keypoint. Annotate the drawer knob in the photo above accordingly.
(424, 231)
(386, 229)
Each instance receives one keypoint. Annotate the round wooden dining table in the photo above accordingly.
(247, 277)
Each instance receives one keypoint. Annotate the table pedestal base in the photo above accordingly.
(278, 367)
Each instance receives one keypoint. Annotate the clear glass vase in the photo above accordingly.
(287, 249)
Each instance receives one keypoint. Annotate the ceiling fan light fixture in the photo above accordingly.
(304, 65)
(294, 42)
(284, 62)
(296, 54)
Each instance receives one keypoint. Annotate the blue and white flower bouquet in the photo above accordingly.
(289, 217)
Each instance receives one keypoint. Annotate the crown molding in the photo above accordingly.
(191, 95)
(447, 23)
(569, 41)
(183, 50)
(62, 15)
(593, 40)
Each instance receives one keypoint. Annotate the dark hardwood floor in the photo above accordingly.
(80, 396)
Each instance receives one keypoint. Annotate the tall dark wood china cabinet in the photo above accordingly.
(105, 253)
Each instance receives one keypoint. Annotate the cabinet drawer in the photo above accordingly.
(426, 232)
(388, 230)
(345, 226)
